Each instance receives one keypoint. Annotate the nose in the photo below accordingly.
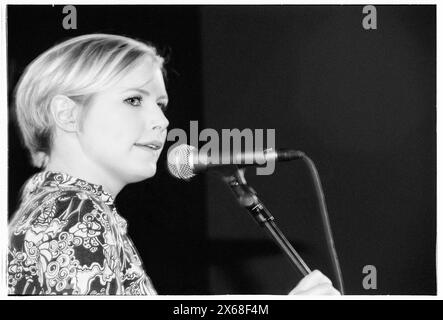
(156, 119)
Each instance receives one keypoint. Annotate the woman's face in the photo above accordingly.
(124, 128)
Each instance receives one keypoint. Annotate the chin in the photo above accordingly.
(136, 171)
(144, 173)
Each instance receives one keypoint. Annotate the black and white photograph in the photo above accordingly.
(212, 150)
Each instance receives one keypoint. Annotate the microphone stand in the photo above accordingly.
(247, 197)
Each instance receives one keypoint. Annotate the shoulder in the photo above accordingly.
(60, 210)
(62, 245)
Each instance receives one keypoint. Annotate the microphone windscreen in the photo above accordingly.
(179, 162)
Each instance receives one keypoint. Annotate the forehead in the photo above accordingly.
(145, 74)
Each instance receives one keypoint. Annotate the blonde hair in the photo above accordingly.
(76, 68)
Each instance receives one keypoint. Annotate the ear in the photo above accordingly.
(65, 111)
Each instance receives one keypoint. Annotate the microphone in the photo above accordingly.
(184, 161)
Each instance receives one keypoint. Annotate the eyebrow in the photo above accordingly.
(146, 93)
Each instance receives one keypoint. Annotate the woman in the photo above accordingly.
(91, 113)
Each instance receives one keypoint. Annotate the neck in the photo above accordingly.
(81, 168)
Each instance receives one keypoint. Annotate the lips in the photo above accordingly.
(153, 145)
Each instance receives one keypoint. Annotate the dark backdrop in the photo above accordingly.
(360, 103)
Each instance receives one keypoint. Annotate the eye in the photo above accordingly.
(134, 101)
(163, 106)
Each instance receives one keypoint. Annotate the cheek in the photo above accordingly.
(113, 130)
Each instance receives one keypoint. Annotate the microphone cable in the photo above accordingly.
(325, 220)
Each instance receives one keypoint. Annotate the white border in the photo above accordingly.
(222, 2)
(3, 153)
(4, 165)
(439, 261)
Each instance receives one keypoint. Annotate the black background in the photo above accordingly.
(361, 103)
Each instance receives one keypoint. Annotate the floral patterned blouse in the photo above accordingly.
(67, 238)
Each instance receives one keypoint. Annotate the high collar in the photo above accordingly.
(61, 180)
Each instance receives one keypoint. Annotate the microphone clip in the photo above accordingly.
(247, 197)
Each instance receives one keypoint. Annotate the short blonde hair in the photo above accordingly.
(77, 68)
